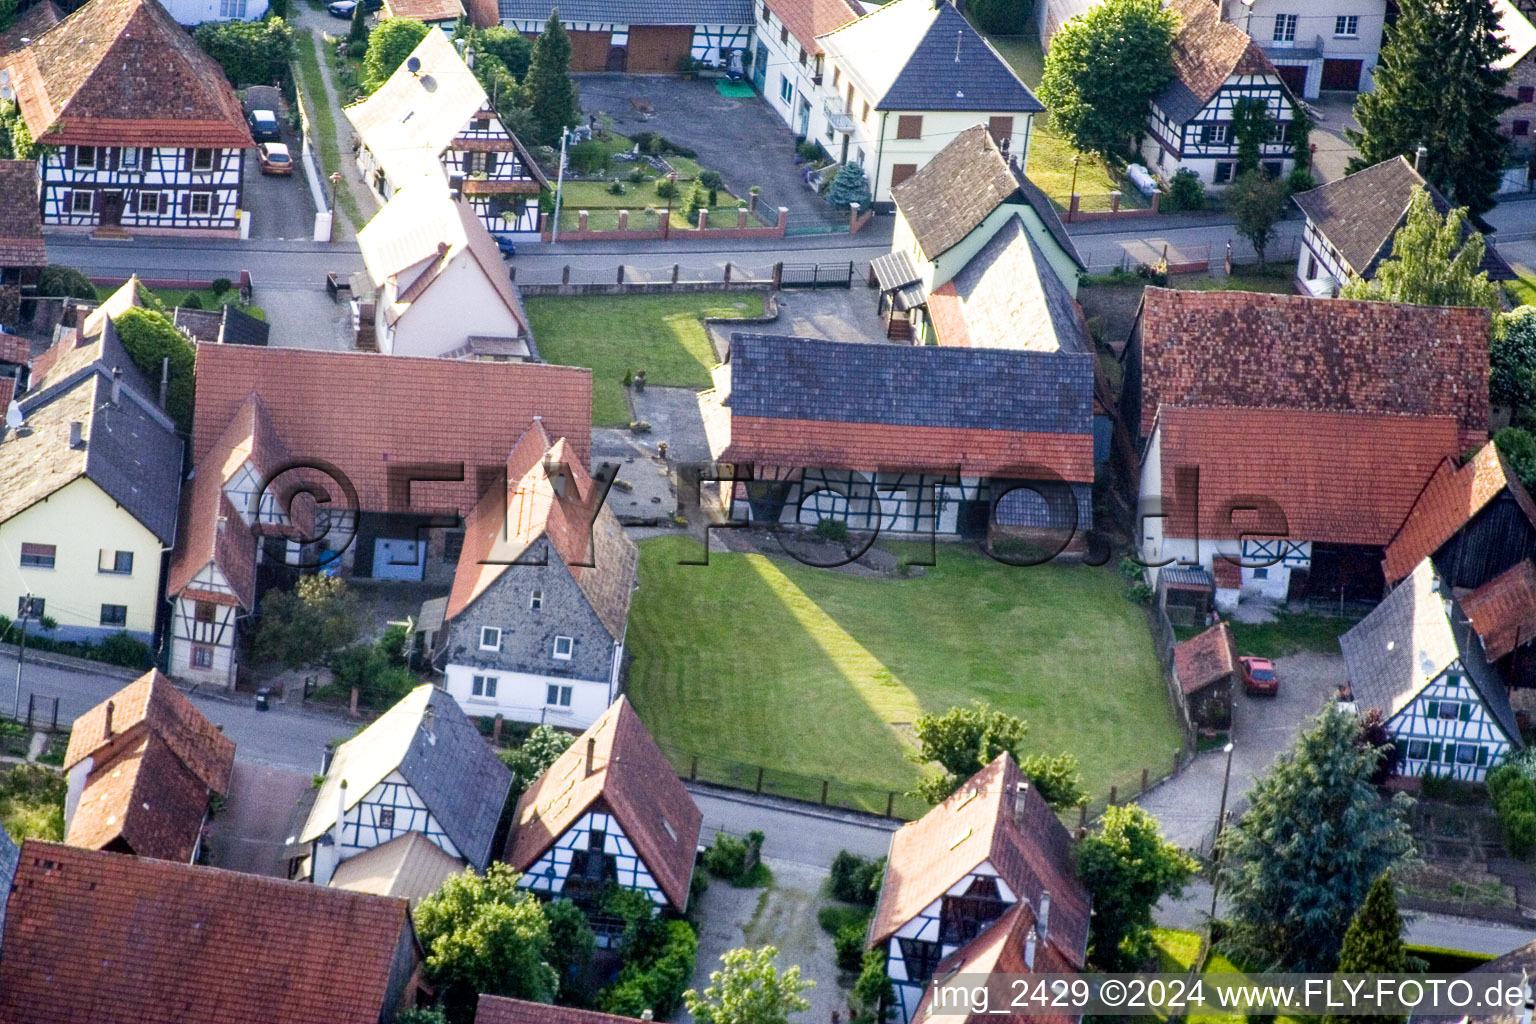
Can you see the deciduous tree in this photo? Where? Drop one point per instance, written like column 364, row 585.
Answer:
column 1128, row 866
column 749, row 989
column 250, row 52
column 1430, row 264
column 541, row 749
column 552, row 98
column 390, row 42
column 485, row 934
column 1512, row 359
column 963, row 740
column 1436, row 86
column 150, row 337
column 1102, row 69
column 1298, row 864
column 1256, row 202
column 310, row 624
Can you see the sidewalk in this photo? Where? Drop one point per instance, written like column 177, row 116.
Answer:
column 363, row 203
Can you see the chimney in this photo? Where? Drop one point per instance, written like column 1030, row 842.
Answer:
column 1418, row 158
column 591, row 753
column 341, row 813
column 165, row 381
column 117, row 384
column 1043, row 918
column 1029, row 949
column 106, row 729
column 76, row 435
column 1019, row 800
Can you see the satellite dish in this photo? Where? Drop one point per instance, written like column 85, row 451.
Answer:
column 429, row 83
column 413, row 64
column 13, row 417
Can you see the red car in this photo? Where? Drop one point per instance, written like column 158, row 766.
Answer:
column 1259, row 676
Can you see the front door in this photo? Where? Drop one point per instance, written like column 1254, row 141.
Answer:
column 760, row 67
column 111, row 208
column 803, row 126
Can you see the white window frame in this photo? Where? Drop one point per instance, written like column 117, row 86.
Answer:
column 134, row 164
column 569, row 644
column 495, row 643
column 1285, row 28
column 95, row 161
column 535, row 600
column 1213, row 135
column 786, row 89
column 121, row 625
column 1422, row 755
column 557, row 695
column 483, row 687
column 143, row 194
column 75, row 205
column 1346, row 26
column 213, row 159
column 192, row 200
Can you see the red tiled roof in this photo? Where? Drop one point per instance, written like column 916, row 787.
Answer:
column 424, row 10
column 1296, row 352
column 1001, row 949
column 502, row 1010
column 122, row 72
column 7, row 387
column 142, row 800
column 152, row 704
column 370, row 414
column 1207, row 50
column 483, row 13
column 807, row 19
column 516, row 512
column 947, row 315
column 30, row 24
column 93, row 936
column 1337, row 478
column 1503, row 610
column 1449, row 501
column 21, row 222
column 1205, row 659
column 15, row 349
column 998, row 818
column 633, row 781
column 889, row 446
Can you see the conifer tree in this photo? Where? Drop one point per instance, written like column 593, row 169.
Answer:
column 850, row 186
column 551, row 93
column 1373, row 944
column 1436, row 86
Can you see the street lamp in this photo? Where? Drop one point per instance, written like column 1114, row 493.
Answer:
column 1221, row 817
column 1076, row 159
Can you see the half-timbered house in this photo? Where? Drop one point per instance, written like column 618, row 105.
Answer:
column 536, row 620
column 610, row 811
column 141, row 132
column 1351, row 223
column 639, row 40
column 990, row 867
column 1269, row 437
column 1417, row 660
column 142, row 767
column 911, row 440
column 432, row 114
column 1190, row 125
column 421, row 767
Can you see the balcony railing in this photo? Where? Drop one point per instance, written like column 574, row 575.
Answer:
column 1297, row 49
column 837, row 118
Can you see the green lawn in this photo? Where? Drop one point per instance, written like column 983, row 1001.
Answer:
column 311, row 83
column 1277, row 277
column 660, row 334
column 32, row 802
column 1523, row 289
column 603, row 207
column 173, row 297
column 1290, row 633
column 819, row 673
column 1176, row 953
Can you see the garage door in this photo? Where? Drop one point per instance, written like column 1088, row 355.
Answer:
column 589, row 51
column 1341, row 74
column 656, row 49
column 1294, row 76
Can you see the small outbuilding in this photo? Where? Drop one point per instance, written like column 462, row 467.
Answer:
column 1206, row 669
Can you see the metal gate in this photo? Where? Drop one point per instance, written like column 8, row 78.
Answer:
column 816, row 275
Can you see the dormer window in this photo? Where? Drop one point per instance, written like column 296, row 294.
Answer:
column 490, row 638
column 564, row 647
column 482, row 124
column 536, row 600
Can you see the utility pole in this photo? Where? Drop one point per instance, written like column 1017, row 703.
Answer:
column 1221, row 817
column 21, row 654
column 554, row 229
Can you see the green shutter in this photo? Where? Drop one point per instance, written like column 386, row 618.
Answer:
column 1431, row 709
column 1450, row 753
column 1466, row 711
column 1482, row 756
column 1434, row 751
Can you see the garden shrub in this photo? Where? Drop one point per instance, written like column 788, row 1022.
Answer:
column 1300, row 180
column 848, row 945
column 616, row 188
column 61, row 282
column 654, row 978
column 832, row 529
column 872, row 992
column 1141, row 593
column 856, row 879
column 636, row 176
column 191, row 301
column 125, row 650
column 1513, row 795
column 588, row 157
column 711, row 180
column 733, row 858
column 1185, row 192
column 666, row 188
column 220, row 285
column 249, row 52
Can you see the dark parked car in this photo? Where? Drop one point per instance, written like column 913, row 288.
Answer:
column 264, row 126
column 506, row 245
column 343, row 8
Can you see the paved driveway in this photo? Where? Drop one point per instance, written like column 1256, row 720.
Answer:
column 1262, row 727
column 281, row 206
column 742, row 139
column 1336, row 113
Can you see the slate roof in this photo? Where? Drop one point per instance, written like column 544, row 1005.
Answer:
column 1408, row 640
column 130, row 450
column 364, row 412
column 633, row 12
column 807, row 19
column 152, row 704
column 961, row 185
column 1336, row 478
column 240, row 328
column 21, row 223
column 123, row 73
column 1303, row 353
column 502, row 1010
column 430, row 742
column 631, row 779
column 1503, row 610
column 1359, row 213
column 1008, row 296
column 409, row 866
column 996, row 817
column 1206, row 658
column 918, row 55
column 94, row 936
column 414, row 239
column 1449, row 501
column 518, row 511
column 1206, row 52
